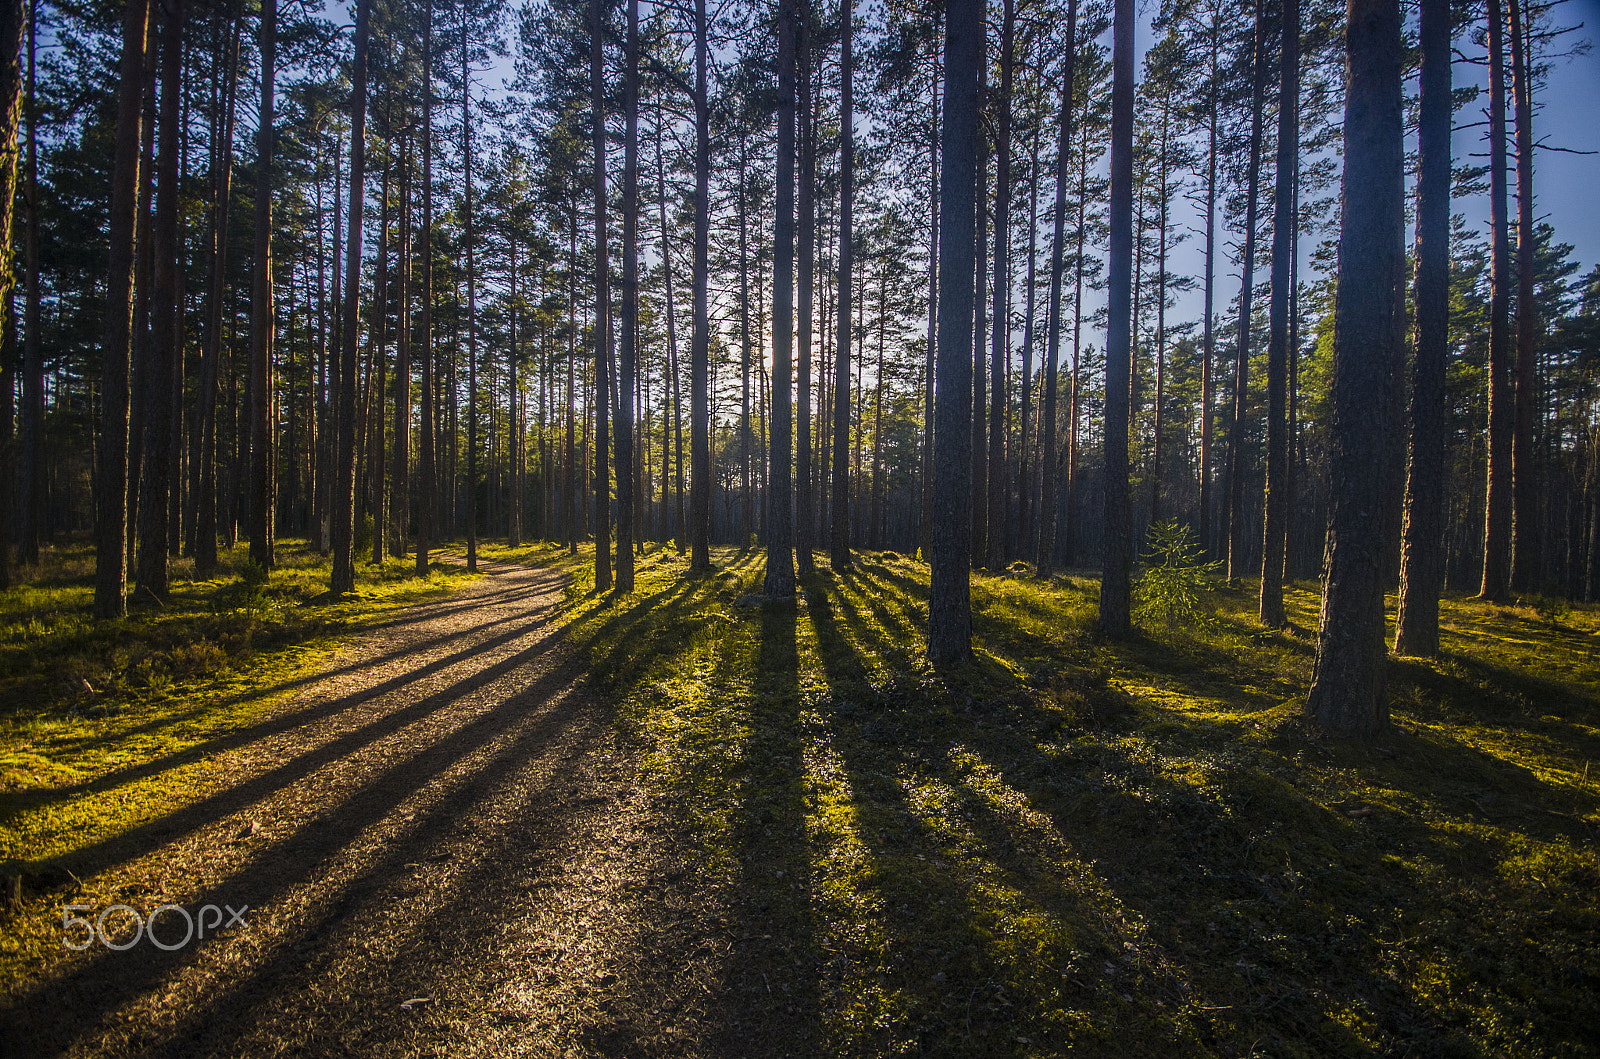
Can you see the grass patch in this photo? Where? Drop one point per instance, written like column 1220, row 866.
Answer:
column 102, row 722
column 1131, row 848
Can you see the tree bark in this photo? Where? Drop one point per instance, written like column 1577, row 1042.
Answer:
column 1527, row 559
column 33, row 454
column 111, row 480
column 1497, row 505
column 839, row 536
column 805, row 505
column 779, row 580
column 1117, row 550
column 344, row 570
column 630, row 307
column 1274, row 530
column 263, row 447
column 1044, row 558
column 13, row 26
column 151, row 573
column 1000, row 339
column 1247, row 264
column 425, row 431
column 1348, row 685
column 950, row 592
column 699, row 353
column 1422, row 555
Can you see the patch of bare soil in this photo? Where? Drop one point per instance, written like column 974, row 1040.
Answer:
column 445, row 850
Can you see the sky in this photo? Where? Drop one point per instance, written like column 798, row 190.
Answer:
column 1565, row 184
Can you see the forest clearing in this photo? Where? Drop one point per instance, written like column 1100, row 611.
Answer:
column 692, row 822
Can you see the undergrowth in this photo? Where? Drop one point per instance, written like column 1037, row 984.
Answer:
column 1127, row 848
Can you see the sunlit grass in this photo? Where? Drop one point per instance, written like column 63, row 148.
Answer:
column 84, row 698
column 1136, row 848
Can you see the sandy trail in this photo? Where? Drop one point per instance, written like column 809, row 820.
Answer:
column 445, row 850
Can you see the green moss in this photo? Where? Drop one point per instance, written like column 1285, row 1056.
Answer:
column 1136, row 848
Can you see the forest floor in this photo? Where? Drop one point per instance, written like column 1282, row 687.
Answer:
column 525, row 819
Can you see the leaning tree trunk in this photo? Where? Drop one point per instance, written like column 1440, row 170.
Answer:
column 1422, row 554
column 1275, row 520
column 344, row 511
column 1497, row 502
column 1348, row 687
column 111, row 478
column 950, row 589
column 779, row 580
column 151, row 574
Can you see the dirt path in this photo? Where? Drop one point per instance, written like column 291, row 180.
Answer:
column 444, row 851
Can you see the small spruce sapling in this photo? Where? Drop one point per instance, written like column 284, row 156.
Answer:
column 1175, row 581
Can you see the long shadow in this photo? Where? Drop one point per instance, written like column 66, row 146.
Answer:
column 286, row 721
column 106, row 982
column 378, row 661
column 769, row 1004
column 951, row 994
column 101, row 855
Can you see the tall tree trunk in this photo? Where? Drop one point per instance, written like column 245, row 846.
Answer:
column 1247, row 265
column 1422, row 555
column 839, row 536
column 672, row 341
column 1044, row 558
column 425, row 431
column 805, row 507
column 779, row 579
column 950, row 590
column 1527, row 560
column 378, row 351
column 1117, row 550
column 925, row 527
column 111, row 479
column 630, row 308
column 1275, row 520
column 699, row 353
column 1208, row 300
column 1348, row 686
column 262, row 442
column 205, row 521
column 1497, row 505
column 602, row 302
column 12, row 28
column 472, row 311
column 142, row 285
column 33, row 452
column 979, row 351
column 344, row 569
column 1025, row 464
column 999, row 481
column 151, row 574
column 400, row 501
